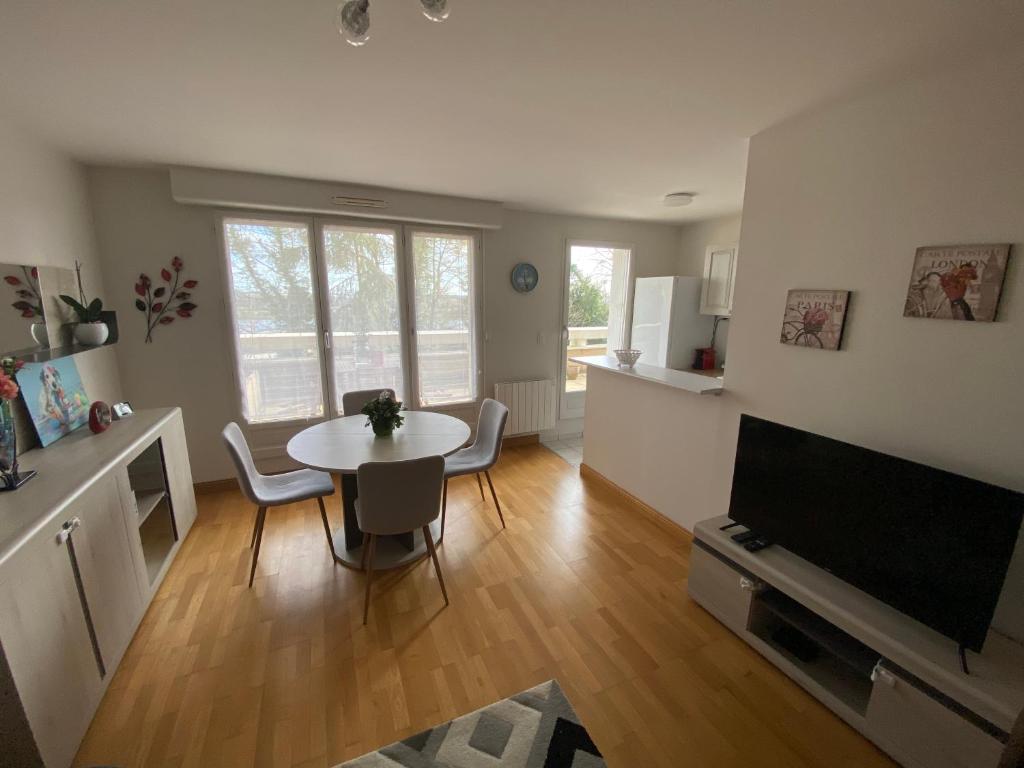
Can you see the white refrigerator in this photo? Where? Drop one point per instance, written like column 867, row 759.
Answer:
column 667, row 324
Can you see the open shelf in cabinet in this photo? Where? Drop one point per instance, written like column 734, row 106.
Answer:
column 834, row 659
column 147, row 476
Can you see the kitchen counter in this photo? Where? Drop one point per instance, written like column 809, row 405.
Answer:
column 690, row 381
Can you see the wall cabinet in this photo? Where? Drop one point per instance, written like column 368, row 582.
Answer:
column 76, row 579
column 719, row 280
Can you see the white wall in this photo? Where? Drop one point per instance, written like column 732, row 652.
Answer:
column 841, row 198
column 140, row 228
column 694, row 240
column 45, row 220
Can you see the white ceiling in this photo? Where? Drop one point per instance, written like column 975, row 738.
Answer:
column 586, row 106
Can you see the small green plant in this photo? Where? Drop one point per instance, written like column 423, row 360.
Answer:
column 87, row 311
column 383, row 414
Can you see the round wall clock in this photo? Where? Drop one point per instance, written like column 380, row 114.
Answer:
column 524, row 277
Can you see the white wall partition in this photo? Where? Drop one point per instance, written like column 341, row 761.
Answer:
column 841, row 198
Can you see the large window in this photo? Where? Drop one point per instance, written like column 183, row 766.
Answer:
column 324, row 307
column 363, row 308
column 443, row 266
column 275, row 319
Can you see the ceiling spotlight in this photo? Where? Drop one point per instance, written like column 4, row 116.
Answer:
column 435, row 10
column 679, row 199
column 353, row 20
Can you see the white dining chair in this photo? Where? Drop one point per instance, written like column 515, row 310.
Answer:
column 352, row 402
column 481, row 456
column 274, row 490
column 398, row 497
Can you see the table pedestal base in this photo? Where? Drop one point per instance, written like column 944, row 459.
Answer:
column 391, row 550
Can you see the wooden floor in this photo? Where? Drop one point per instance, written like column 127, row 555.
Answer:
column 581, row 587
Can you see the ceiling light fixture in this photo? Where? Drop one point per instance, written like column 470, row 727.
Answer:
column 353, row 18
column 435, row 10
column 679, row 199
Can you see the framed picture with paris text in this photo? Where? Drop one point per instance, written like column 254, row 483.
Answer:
column 957, row 282
column 815, row 318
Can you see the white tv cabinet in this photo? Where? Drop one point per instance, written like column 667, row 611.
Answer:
column 893, row 679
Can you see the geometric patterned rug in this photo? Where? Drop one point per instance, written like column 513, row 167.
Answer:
column 537, row 728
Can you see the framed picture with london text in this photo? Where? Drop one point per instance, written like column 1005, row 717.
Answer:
column 957, row 282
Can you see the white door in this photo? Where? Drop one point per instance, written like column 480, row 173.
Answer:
column 596, row 305
column 362, row 294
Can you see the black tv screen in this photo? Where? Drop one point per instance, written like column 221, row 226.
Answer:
column 930, row 543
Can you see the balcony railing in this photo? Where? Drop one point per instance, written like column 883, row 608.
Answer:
column 591, row 340
column 277, row 366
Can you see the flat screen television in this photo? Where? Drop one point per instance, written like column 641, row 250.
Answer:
column 930, row 543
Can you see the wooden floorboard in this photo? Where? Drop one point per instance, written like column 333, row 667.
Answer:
column 581, row 586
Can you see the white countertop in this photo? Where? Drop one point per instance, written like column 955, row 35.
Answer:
column 669, row 377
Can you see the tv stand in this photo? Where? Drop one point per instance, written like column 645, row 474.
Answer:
column 901, row 684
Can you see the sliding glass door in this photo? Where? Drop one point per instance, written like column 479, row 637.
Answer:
column 363, row 309
column 321, row 307
column 445, row 341
column 276, row 321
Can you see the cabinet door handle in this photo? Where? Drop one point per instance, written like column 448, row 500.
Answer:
column 69, row 527
column 881, row 675
column 748, row 585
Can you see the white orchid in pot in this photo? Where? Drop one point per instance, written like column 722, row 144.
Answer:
column 90, row 329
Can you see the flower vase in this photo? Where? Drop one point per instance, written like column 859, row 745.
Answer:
column 382, row 430
column 91, row 334
column 8, row 446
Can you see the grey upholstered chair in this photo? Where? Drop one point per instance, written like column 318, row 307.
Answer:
column 480, row 456
column 398, row 497
column 352, row 402
column 274, row 490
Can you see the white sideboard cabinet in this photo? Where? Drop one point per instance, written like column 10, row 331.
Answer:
column 83, row 548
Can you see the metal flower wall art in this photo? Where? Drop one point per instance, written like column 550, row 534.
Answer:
column 165, row 303
column 26, row 288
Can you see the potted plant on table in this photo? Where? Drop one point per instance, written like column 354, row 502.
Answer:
column 90, row 330
column 383, row 414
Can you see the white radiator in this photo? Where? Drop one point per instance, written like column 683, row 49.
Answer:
column 531, row 405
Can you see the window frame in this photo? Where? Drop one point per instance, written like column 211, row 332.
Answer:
column 476, row 288
column 405, row 277
column 320, row 223
column 232, row 326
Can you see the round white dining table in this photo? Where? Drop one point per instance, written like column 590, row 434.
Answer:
column 340, row 445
